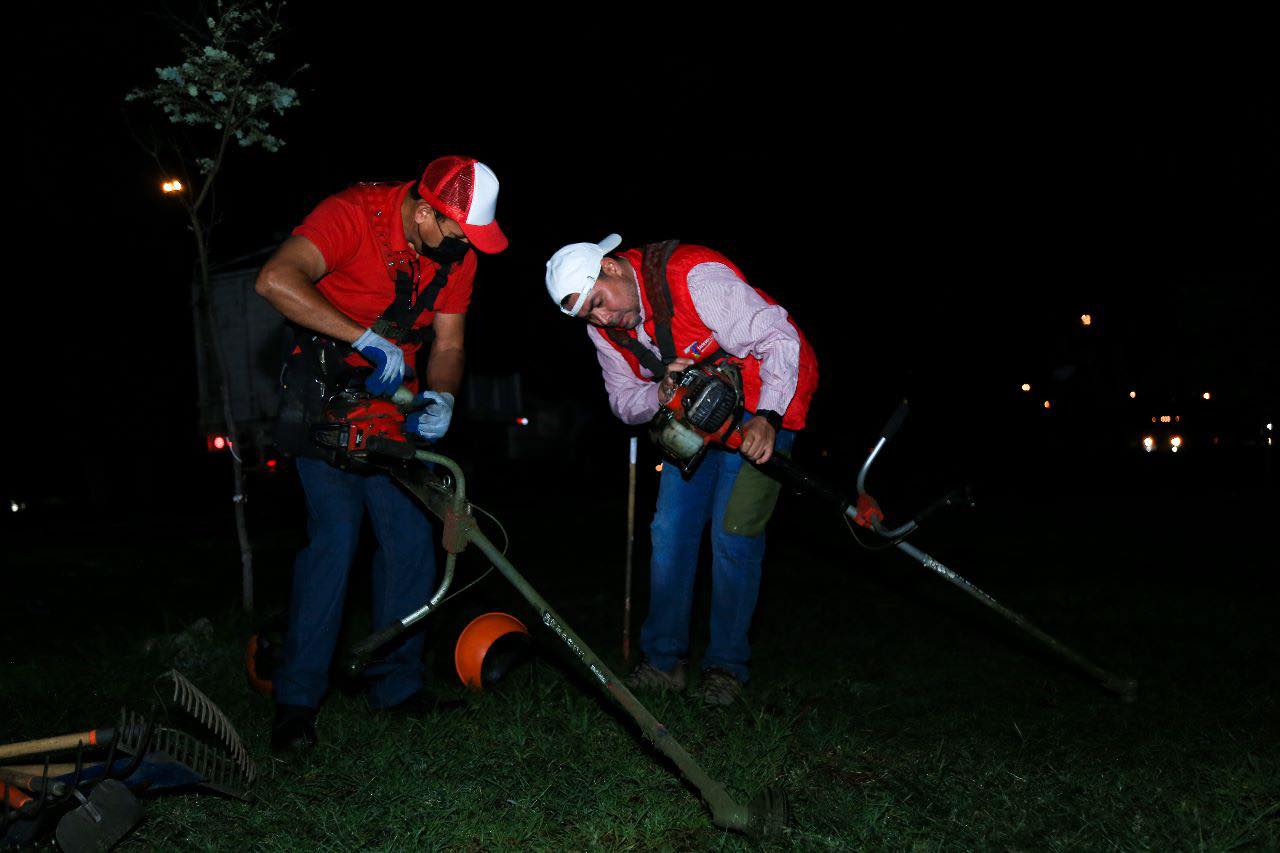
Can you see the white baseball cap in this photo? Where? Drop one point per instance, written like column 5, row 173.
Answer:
column 574, row 269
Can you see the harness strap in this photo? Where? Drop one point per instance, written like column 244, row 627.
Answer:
column 404, row 268
column 656, row 287
column 396, row 322
column 658, row 291
column 643, row 354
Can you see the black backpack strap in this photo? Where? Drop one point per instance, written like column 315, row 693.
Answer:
column 654, row 269
column 396, row 322
column 643, row 354
column 427, row 298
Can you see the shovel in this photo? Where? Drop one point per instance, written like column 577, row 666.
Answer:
column 101, row 820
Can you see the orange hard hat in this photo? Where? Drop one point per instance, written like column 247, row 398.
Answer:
column 475, row 641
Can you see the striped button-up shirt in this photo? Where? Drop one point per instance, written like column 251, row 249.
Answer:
column 743, row 324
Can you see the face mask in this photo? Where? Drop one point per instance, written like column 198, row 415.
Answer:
column 450, row 251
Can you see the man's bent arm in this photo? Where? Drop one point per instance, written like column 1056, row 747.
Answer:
column 744, row 324
column 633, row 400
column 287, row 281
column 444, row 364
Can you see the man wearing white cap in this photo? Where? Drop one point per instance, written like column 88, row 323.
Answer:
column 653, row 311
column 369, row 275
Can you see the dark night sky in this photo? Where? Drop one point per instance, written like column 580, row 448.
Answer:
column 936, row 203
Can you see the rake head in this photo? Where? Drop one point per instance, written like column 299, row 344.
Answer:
column 201, row 708
column 197, row 762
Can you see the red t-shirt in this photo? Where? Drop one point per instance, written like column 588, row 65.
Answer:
column 358, row 283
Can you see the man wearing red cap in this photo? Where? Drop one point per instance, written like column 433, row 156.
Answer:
column 369, row 276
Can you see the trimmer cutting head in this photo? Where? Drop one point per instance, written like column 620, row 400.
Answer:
column 768, row 815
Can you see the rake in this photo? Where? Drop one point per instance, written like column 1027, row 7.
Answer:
column 159, row 757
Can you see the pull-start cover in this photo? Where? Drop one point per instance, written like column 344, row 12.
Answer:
column 704, row 409
column 357, row 424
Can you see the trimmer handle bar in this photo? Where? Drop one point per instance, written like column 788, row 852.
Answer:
column 895, row 421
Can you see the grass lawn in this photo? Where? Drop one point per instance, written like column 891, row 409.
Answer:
column 895, row 712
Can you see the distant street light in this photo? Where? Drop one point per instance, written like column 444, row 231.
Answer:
column 1133, row 395
column 1047, row 404
column 172, row 186
column 1206, row 395
column 1086, row 319
column 1026, row 386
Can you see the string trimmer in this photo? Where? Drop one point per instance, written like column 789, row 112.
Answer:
column 705, row 410
column 362, row 431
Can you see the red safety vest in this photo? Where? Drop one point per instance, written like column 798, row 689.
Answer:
column 694, row 340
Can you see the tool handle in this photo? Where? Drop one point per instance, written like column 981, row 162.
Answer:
column 32, row 781
column 895, row 421
column 962, row 496
column 402, row 397
column 782, row 469
column 38, row 770
column 93, row 737
column 389, row 447
column 365, row 649
column 14, row 797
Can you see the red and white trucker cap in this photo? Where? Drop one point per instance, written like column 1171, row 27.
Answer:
column 466, row 191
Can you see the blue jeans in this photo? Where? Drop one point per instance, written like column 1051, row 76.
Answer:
column 684, row 508
column 404, row 572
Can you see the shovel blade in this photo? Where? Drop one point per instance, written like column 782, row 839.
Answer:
column 100, row 824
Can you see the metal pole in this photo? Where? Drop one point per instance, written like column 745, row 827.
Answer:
column 1124, row 687
column 631, row 544
column 725, row 811
column 763, row 817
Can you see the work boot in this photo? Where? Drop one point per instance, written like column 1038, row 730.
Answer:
column 294, row 729
column 646, row 676
column 718, row 687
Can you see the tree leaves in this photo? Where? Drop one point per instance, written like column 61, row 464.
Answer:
column 222, row 82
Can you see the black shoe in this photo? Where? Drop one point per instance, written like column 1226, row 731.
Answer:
column 424, row 703
column 294, row 729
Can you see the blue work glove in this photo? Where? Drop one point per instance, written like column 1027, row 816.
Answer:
column 430, row 415
column 387, row 360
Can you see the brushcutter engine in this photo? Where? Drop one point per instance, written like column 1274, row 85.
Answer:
column 704, row 410
column 357, row 424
